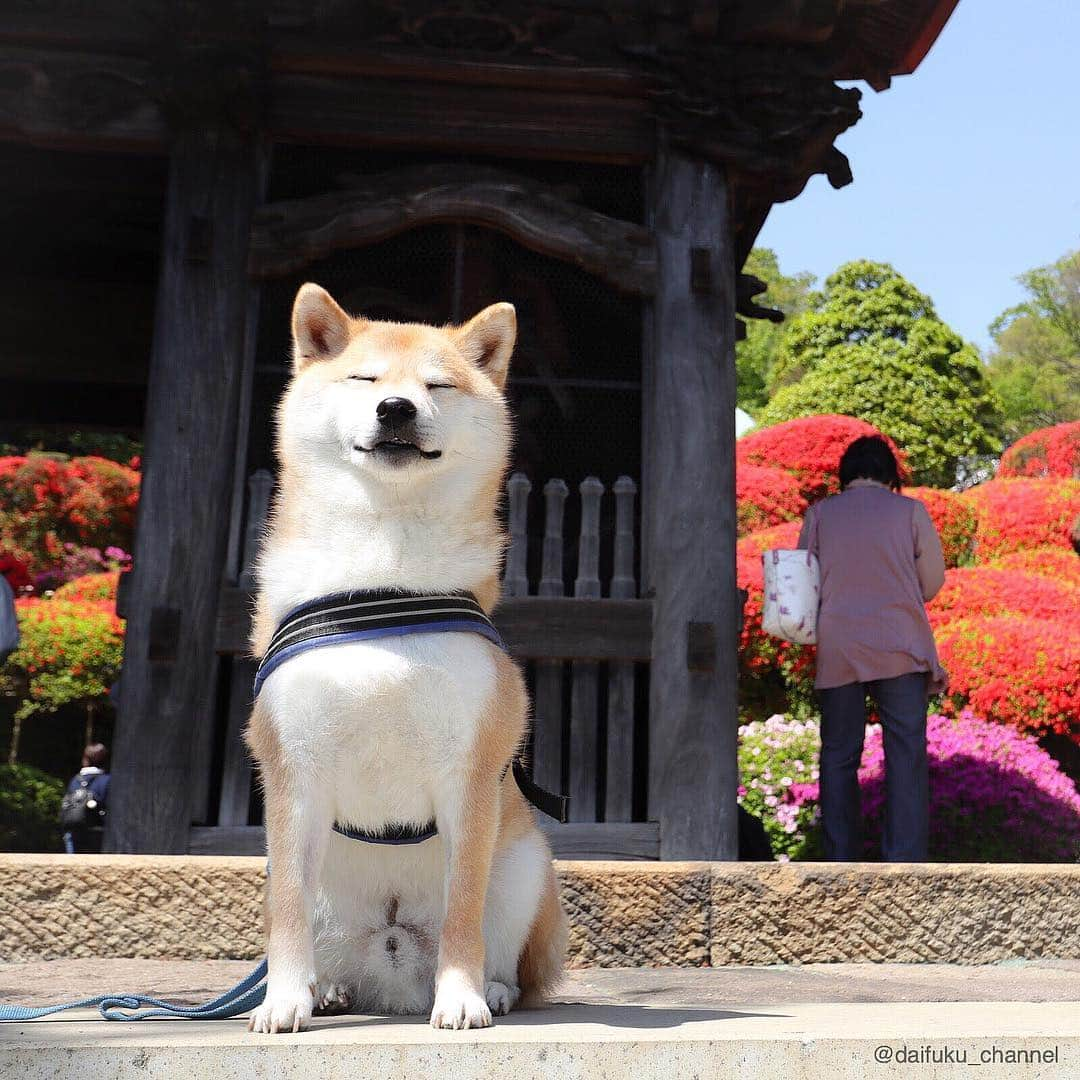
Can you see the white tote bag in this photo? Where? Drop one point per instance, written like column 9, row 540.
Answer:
column 792, row 592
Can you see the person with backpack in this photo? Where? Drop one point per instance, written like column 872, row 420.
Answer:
column 9, row 623
column 83, row 808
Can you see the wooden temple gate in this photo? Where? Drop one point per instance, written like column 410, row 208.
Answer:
column 585, row 663
column 685, row 626
column 722, row 109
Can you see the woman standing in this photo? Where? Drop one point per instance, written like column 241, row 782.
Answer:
column 880, row 560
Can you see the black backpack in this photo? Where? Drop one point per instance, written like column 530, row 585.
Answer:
column 80, row 809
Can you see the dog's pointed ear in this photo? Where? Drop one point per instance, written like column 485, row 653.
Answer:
column 320, row 328
column 488, row 340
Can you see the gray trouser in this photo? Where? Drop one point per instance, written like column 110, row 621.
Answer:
column 901, row 704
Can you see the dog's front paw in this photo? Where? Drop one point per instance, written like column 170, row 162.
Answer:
column 458, row 1006
column 333, row 999
column 282, row 1012
column 500, row 997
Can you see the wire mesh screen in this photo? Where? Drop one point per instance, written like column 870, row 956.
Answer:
column 575, row 383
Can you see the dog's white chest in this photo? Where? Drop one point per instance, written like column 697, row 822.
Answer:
column 388, row 723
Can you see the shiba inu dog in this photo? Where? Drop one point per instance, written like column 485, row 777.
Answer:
column 393, row 442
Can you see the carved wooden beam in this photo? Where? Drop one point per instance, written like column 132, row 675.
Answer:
column 289, row 235
column 746, row 288
column 73, row 99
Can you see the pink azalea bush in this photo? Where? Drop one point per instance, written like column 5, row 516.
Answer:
column 995, row 794
column 76, row 562
column 777, row 756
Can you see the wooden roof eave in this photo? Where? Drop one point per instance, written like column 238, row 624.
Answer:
column 923, row 41
column 887, row 38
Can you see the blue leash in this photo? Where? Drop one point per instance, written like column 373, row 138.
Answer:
column 245, row 995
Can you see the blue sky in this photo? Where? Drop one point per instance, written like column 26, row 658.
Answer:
column 966, row 173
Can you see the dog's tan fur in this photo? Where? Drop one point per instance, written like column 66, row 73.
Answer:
column 487, row 822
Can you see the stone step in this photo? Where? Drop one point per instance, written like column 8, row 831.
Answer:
column 191, row 982
column 622, row 914
column 749, row 1022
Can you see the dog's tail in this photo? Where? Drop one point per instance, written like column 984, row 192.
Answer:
column 540, row 966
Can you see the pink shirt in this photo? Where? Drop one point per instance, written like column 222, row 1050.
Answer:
column 880, row 560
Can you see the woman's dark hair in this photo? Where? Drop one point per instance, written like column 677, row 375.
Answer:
column 870, row 458
column 96, row 755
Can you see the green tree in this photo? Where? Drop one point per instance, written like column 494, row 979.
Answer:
column 874, row 347
column 1035, row 364
column 29, row 809
column 756, row 353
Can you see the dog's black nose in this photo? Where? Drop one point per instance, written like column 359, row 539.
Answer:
column 395, row 410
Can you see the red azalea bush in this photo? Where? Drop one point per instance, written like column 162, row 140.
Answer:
column 103, row 502
column 1015, row 669
column 91, row 588
column 1050, row 451
column 16, row 571
column 785, row 536
column 955, row 519
column 49, row 500
column 1015, row 514
column 765, row 496
column 1053, row 562
column 809, row 448
column 971, row 591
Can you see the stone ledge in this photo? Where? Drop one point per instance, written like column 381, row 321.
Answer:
column 622, row 913
column 962, row 913
column 850, row 1041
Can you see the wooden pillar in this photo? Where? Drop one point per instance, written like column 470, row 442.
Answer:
column 548, row 705
column 167, row 691
column 690, row 514
column 585, row 674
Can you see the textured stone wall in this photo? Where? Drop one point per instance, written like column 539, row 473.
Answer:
column 147, row 906
column 622, row 913
column 637, row 914
column 975, row 913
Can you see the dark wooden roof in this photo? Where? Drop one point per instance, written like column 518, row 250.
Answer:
column 749, row 84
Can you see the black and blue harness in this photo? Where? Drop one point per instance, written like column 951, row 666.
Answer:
column 368, row 616
column 330, row 620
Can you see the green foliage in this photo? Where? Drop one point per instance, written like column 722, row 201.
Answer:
column 21, row 439
column 29, row 809
column 874, row 348
column 756, row 354
column 69, row 652
column 1035, row 364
